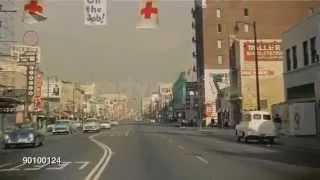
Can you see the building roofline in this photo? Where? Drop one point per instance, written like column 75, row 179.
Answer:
column 303, row 21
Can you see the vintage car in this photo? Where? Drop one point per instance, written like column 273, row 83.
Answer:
column 23, row 136
column 91, row 125
column 62, row 127
column 256, row 125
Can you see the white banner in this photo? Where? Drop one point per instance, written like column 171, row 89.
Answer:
column 95, row 12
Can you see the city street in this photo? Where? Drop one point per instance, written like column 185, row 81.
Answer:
column 141, row 151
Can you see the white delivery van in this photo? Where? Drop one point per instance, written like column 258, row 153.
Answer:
column 256, row 125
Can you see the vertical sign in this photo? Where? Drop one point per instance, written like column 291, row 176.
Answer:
column 30, row 80
column 95, row 12
column 38, row 97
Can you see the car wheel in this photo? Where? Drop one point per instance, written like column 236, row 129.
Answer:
column 271, row 140
column 6, row 146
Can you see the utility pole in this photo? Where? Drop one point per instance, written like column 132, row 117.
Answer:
column 73, row 100
column 48, row 97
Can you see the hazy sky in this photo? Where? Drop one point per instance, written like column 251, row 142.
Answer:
column 117, row 53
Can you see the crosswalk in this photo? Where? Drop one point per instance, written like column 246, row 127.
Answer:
column 9, row 167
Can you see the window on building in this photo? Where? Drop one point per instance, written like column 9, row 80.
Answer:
column 218, row 11
column 288, row 59
column 219, row 28
column 310, row 11
column 305, row 53
column 219, row 44
column 246, row 12
column 246, row 28
column 294, row 57
column 313, row 49
column 220, row 60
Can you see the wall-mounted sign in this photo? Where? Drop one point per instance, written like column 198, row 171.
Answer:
column 268, row 50
column 38, row 97
column 252, row 72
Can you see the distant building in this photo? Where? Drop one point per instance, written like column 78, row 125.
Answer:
column 116, row 105
column 165, row 92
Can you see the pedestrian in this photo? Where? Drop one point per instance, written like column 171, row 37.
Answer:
column 278, row 122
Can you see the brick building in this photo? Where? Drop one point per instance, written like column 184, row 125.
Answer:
column 219, row 20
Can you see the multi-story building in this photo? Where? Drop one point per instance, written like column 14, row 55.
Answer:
column 301, row 48
column 146, row 106
column 116, row 105
column 220, row 19
column 89, row 91
column 165, row 92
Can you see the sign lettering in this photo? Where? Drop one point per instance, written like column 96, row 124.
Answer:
column 266, row 50
column 95, row 12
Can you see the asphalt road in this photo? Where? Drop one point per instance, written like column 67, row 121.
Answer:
column 139, row 151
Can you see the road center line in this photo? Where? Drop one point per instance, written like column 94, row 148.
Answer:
column 202, row 159
column 107, row 153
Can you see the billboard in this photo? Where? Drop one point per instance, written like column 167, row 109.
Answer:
column 267, row 50
column 24, row 53
column 38, row 96
column 95, row 12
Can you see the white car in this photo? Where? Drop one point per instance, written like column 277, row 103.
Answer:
column 105, row 125
column 257, row 125
column 91, row 125
column 114, row 123
column 153, row 121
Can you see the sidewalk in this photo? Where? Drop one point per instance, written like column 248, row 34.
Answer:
column 301, row 142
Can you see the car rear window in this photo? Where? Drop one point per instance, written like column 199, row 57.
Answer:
column 266, row 117
column 257, row 116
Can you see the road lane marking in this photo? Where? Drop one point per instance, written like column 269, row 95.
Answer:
column 84, row 164
column 36, row 168
column 13, row 168
column 107, row 153
column 104, row 164
column 4, row 165
column 202, row 159
column 61, row 166
column 181, row 147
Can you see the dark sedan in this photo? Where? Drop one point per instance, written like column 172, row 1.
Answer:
column 23, row 137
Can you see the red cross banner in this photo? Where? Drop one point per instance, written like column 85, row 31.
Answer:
column 33, row 12
column 148, row 15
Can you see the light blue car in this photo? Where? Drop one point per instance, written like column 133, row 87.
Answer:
column 62, row 127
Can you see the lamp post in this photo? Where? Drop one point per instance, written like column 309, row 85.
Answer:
column 253, row 24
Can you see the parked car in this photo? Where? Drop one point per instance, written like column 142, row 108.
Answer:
column 91, row 125
column 62, row 127
column 256, row 125
column 105, row 125
column 23, row 136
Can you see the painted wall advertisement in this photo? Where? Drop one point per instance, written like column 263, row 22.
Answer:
column 95, row 12
column 38, row 96
column 270, row 65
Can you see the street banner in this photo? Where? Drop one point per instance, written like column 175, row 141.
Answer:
column 148, row 15
column 95, row 12
column 33, row 12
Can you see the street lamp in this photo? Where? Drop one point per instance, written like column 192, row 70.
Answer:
column 236, row 29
